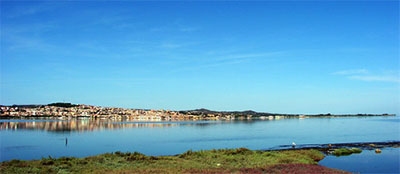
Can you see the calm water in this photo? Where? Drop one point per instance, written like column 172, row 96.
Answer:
column 367, row 161
column 34, row 139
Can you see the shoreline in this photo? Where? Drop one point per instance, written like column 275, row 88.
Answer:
column 327, row 147
column 240, row 160
column 72, row 111
column 284, row 159
column 158, row 118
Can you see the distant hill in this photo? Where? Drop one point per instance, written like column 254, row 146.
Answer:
column 204, row 111
column 58, row 104
column 22, row 106
column 64, row 105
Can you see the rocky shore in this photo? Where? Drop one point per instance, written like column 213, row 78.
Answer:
column 327, row 148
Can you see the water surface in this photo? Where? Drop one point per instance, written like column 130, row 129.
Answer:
column 34, row 139
column 366, row 162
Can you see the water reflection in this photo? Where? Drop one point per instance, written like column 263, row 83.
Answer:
column 366, row 162
column 81, row 125
column 30, row 138
column 89, row 124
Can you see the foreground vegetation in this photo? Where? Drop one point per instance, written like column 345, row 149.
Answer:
column 346, row 151
column 239, row 160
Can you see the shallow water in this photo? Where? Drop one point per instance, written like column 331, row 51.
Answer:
column 366, row 162
column 34, row 139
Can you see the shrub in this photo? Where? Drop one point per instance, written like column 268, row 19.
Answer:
column 47, row 162
column 136, row 156
column 119, row 153
column 66, row 158
column 15, row 163
column 82, row 162
column 241, row 151
column 187, row 154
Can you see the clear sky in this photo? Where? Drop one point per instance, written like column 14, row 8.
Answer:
column 281, row 57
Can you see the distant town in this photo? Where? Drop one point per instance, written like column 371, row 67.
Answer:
column 69, row 111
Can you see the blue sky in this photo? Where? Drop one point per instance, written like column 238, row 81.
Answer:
column 282, row 57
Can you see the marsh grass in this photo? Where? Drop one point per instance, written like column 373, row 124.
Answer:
column 346, row 151
column 204, row 161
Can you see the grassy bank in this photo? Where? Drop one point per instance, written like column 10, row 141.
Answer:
column 221, row 161
column 346, row 151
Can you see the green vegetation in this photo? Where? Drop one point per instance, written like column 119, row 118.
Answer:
column 63, row 105
column 240, row 160
column 346, row 151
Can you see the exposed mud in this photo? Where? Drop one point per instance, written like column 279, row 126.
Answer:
column 326, row 148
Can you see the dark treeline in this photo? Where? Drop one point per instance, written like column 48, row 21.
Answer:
column 63, row 105
column 58, row 104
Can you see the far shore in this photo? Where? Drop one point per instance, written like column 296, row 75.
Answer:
column 71, row 111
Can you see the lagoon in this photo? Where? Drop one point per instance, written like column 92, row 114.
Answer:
column 366, row 162
column 37, row 138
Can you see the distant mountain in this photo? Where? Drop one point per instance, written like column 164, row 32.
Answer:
column 204, row 111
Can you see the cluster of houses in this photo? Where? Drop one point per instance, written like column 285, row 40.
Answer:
column 82, row 111
column 68, row 111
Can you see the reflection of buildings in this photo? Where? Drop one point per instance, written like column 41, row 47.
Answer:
column 62, row 124
column 77, row 125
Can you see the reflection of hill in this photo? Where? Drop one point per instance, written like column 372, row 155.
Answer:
column 81, row 125
column 76, row 125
